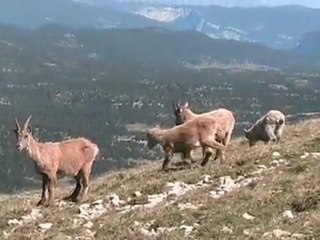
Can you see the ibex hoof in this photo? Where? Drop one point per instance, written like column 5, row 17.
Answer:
column 41, row 202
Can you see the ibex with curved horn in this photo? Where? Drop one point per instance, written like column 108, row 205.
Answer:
column 72, row 157
column 222, row 116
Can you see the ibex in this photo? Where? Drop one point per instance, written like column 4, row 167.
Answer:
column 199, row 132
column 268, row 128
column 72, row 157
column 223, row 117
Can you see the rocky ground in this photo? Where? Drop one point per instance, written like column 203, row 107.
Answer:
column 250, row 196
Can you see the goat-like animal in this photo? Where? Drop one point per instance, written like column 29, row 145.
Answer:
column 223, row 117
column 73, row 157
column 199, row 132
column 268, row 128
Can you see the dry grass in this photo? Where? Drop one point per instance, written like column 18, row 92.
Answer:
column 289, row 187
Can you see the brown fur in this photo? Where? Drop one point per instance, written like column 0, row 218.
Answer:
column 223, row 117
column 73, row 157
column 199, row 132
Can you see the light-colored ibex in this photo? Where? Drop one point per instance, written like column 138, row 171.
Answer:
column 268, row 128
column 223, row 117
column 73, row 157
column 200, row 132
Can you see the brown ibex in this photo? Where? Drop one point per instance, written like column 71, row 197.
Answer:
column 222, row 116
column 199, row 132
column 73, row 157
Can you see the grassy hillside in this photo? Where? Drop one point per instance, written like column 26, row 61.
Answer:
column 274, row 196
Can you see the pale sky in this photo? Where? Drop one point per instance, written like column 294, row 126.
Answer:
column 229, row 3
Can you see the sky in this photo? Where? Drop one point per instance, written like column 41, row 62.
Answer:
column 229, row 3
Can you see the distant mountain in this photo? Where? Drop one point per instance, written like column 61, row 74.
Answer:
column 278, row 27
column 36, row 13
column 310, row 44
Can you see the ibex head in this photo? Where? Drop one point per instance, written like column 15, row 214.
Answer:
column 178, row 111
column 23, row 135
column 250, row 137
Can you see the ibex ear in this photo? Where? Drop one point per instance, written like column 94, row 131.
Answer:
column 186, row 104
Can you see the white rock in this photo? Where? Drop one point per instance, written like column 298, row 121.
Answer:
column 280, row 233
column 315, row 154
column 137, row 194
column 287, row 214
column 206, row 179
column 298, row 236
column 35, row 214
column 62, row 203
column 45, row 226
column 77, row 222
column 248, row 231
column 276, row 155
column 305, row 155
column 275, row 162
column 226, row 183
column 267, row 234
column 88, row 224
column 248, row 216
column 183, row 206
column 227, row 229
column 187, row 229
column 115, row 200
column 97, row 202
column 90, row 233
column 214, row 194
column 179, row 188
column 261, row 166
column 136, row 223
column 14, row 222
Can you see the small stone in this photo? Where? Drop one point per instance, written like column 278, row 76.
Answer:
column 248, row 231
column 137, row 194
column 187, row 229
column 276, row 154
column 298, row 236
column 206, row 179
column 98, row 202
column 14, row 222
column 136, row 223
column 214, row 194
column 115, row 200
column 305, row 155
column 287, row 214
column 45, row 226
column 248, row 216
column 282, row 160
column 183, row 206
column 90, row 233
column 88, row 224
column 315, row 154
column 226, row 229
column 77, row 222
column 62, row 203
column 280, row 233
column 267, row 235
column 261, row 166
